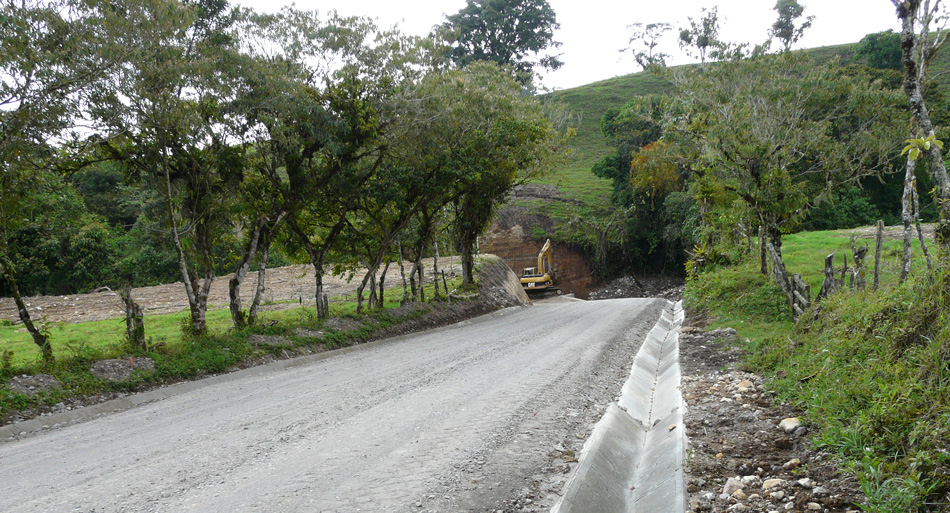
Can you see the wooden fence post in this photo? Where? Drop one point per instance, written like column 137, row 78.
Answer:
column 857, row 274
column 830, row 285
column 877, row 254
column 801, row 296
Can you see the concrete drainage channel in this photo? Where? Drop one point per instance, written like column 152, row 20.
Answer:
column 634, row 458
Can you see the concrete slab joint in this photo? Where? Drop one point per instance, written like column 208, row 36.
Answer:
column 635, row 457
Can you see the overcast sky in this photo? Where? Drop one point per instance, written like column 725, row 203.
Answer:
column 592, row 31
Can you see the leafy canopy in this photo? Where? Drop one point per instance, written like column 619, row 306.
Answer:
column 512, row 33
column 784, row 28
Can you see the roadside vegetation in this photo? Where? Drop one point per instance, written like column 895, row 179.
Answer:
column 752, row 166
column 149, row 141
column 178, row 357
column 870, row 370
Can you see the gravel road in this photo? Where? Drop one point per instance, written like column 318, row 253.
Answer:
column 462, row 418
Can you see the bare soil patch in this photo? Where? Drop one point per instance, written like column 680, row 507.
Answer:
column 741, row 458
column 293, row 283
column 666, row 287
column 32, row 384
column 895, row 232
column 121, row 369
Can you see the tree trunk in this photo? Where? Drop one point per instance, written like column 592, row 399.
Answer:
column 763, row 258
column 39, row 338
column 196, row 305
column 775, row 239
column 318, row 294
column 134, row 319
column 402, row 272
column 382, row 284
column 907, row 217
column 413, row 273
column 234, row 286
column 914, row 74
column 468, row 266
column 368, row 279
column 435, row 269
column 318, row 255
column 259, row 291
column 920, row 235
column 879, row 244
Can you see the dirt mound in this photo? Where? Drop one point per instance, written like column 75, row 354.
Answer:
column 343, row 324
column 666, row 287
column 121, row 370
column 268, row 340
column 499, row 286
column 32, row 385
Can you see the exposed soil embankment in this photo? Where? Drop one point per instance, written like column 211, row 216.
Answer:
column 511, row 238
column 290, row 283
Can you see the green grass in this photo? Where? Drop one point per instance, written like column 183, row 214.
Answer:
column 872, row 372
column 804, row 253
column 107, row 337
column 589, row 103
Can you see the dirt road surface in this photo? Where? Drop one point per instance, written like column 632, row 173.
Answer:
column 470, row 417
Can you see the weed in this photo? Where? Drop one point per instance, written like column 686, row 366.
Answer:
column 6, row 363
column 872, row 371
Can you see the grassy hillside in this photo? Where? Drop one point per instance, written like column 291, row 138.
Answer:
column 589, row 103
column 871, row 372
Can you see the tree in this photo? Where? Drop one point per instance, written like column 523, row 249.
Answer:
column 501, row 138
column 702, row 35
column 50, row 53
column 881, row 50
column 782, row 132
column 164, row 119
column 918, row 49
column 644, row 38
column 322, row 123
column 512, row 33
column 784, row 27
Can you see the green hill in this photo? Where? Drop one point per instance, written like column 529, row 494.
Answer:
column 589, row 103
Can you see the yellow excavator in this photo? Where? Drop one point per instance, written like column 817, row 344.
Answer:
column 541, row 279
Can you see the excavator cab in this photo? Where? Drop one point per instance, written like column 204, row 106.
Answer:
column 542, row 278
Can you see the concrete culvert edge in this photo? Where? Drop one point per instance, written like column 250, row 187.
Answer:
column 634, row 459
